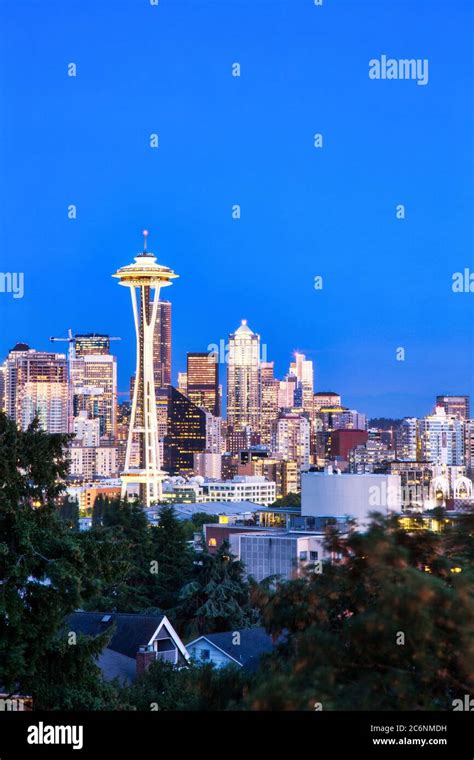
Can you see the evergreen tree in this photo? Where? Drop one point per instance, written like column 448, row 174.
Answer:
column 69, row 513
column 100, row 503
column 380, row 630
column 217, row 598
column 70, row 679
column 196, row 687
column 127, row 537
column 290, row 500
column 173, row 556
column 43, row 569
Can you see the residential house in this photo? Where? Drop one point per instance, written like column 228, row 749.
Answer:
column 242, row 648
column 137, row 641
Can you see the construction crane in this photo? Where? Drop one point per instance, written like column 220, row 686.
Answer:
column 71, row 339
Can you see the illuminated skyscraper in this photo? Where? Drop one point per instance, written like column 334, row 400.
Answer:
column 186, row 433
column 456, row 406
column 302, row 369
column 36, row 385
column 92, row 344
column 93, row 389
column 407, row 440
column 270, row 395
column 291, row 438
column 442, row 438
column 162, row 345
column 144, row 275
column 202, row 384
column 92, row 380
column 183, row 383
column 3, row 369
column 243, row 379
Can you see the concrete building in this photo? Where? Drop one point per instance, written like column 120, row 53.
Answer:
column 92, row 462
column 333, row 494
column 406, row 437
column 454, row 406
column 36, row 385
column 302, row 369
column 324, row 399
column 93, row 389
column 208, row 465
column 441, row 438
column 241, row 488
column 86, row 431
column 270, row 395
column 469, row 447
column 343, row 441
column 368, row 456
column 274, row 553
column 291, row 438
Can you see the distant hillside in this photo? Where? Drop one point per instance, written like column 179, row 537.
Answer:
column 384, row 423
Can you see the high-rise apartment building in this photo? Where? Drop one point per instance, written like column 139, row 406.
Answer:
column 324, row 399
column 86, row 431
column 455, row 406
column 3, row 369
column 162, row 345
column 243, row 379
column 302, row 369
column 469, row 447
column 339, row 417
column 407, row 442
column 202, row 381
column 291, row 438
column 93, row 389
column 269, row 408
column 441, row 438
column 36, row 385
column 287, row 392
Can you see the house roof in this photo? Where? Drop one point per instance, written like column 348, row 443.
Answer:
column 131, row 631
column 254, row 642
column 116, row 665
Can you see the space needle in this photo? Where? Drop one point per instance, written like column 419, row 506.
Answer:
column 143, row 276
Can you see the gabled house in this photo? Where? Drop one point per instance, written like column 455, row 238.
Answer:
column 137, row 641
column 240, row 648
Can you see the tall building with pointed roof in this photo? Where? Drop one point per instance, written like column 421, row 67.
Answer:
column 243, row 379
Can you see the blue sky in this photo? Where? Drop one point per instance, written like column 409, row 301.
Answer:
column 225, row 140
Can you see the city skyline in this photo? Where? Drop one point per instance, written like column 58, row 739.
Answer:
column 227, row 140
column 124, row 382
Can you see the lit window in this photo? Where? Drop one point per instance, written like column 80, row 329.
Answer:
column 213, row 542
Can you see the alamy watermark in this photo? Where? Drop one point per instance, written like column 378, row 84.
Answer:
column 463, row 282
column 13, row 283
column 12, row 704
column 416, row 69
column 219, row 354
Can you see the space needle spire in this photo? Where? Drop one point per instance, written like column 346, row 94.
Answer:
column 143, row 276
